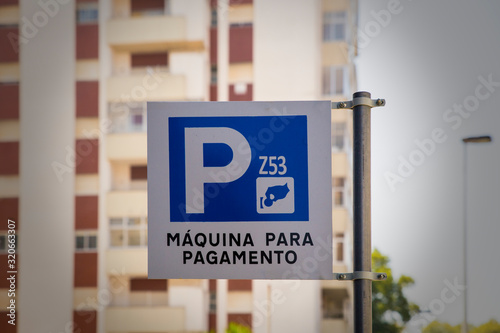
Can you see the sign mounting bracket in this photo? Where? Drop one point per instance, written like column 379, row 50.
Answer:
column 357, row 101
column 360, row 275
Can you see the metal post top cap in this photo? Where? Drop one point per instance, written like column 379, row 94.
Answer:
column 477, row 139
column 362, row 94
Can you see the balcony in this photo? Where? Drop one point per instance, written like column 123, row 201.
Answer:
column 149, row 86
column 340, row 268
column 128, row 33
column 333, row 325
column 335, row 306
column 150, row 33
column 345, row 288
column 9, row 13
column 145, row 319
column 127, row 261
column 131, row 147
column 127, row 203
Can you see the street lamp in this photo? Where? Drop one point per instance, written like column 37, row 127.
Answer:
column 471, row 139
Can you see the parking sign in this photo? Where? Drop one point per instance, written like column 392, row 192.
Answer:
column 239, row 190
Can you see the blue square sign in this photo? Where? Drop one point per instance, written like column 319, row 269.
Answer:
column 238, row 169
column 239, row 190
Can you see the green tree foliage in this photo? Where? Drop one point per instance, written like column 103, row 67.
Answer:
column 391, row 310
column 237, row 328
column 492, row 326
column 438, row 327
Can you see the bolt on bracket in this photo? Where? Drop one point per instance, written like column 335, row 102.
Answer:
column 373, row 276
column 359, row 101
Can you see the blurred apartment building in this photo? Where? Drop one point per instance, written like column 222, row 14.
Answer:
column 73, row 153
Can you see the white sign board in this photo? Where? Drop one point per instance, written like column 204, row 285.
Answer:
column 239, row 190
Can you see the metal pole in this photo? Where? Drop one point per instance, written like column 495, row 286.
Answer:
column 465, row 328
column 362, row 215
column 472, row 139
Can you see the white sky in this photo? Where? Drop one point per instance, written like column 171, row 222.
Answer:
column 423, row 60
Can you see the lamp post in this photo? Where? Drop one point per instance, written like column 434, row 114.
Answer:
column 471, row 139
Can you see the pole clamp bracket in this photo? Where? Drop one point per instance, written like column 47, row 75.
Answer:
column 372, row 276
column 373, row 103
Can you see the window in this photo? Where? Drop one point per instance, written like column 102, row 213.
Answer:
column 85, row 241
column 339, row 247
column 87, row 12
column 87, row 41
column 87, row 99
column 240, row 91
column 333, row 303
column 128, row 117
column 10, row 52
column 87, row 151
column 138, row 177
column 156, row 59
column 4, row 242
column 145, row 284
column 138, row 172
column 240, row 43
column 335, row 80
column 334, row 26
column 148, row 7
column 338, row 136
column 213, row 17
column 338, row 191
column 239, row 285
column 128, row 231
column 9, row 95
column 137, row 120
column 213, row 302
column 213, row 74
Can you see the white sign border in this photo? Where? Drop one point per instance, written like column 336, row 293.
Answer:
column 315, row 262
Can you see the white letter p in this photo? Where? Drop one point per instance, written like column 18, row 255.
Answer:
column 197, row 174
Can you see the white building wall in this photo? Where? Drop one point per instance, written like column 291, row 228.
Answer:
column 47, row 121
column 221, row 305
column 301, row 310
column 292, row 306
column 287, row 44
column 197, row 15
column 194, row 66
column 261, row 310
column 192, row 299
